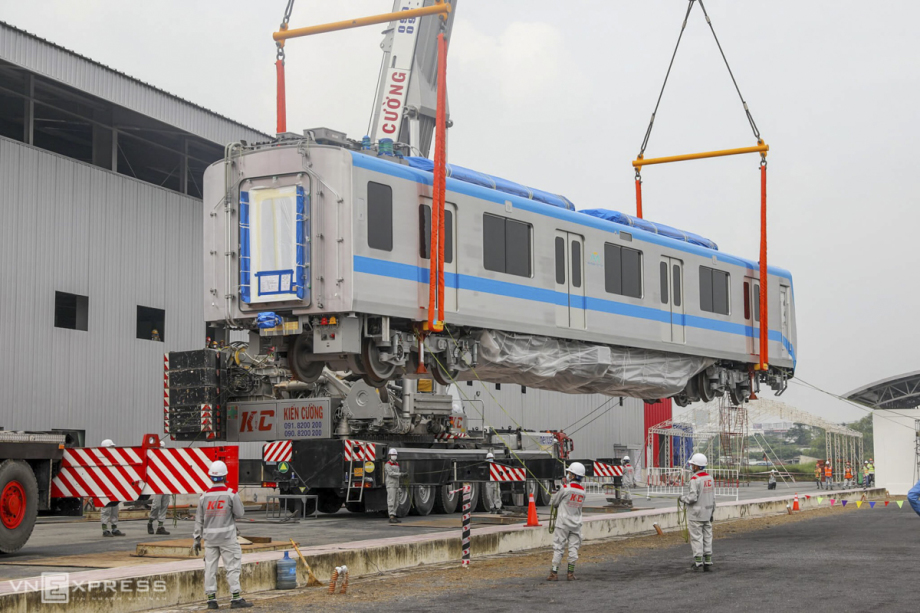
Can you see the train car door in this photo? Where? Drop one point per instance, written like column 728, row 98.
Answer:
column 784, row 316
column 752, row 313
column 451, row 280
column 671, row 292
column 570, row 281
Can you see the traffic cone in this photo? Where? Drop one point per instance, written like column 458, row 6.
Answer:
column 532, row 520
column 795, row 503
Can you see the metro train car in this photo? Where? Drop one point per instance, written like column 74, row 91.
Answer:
column 320, row 246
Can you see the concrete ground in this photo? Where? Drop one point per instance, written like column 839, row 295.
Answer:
column 824, row 560
column 56, row 538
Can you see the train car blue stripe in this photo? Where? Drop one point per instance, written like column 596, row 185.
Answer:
column 418, row 274
column 393, row 169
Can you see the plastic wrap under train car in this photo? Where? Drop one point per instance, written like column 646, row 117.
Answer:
column 575, row 367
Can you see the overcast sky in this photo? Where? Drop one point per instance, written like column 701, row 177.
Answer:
column 557, row 95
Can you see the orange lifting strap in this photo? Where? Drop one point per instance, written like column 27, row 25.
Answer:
column 440, row 8
column 762, row 148
column 436, row 272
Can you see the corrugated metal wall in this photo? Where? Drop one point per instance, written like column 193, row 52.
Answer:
column 67, row 226
column 50, row 60
column 595, row 422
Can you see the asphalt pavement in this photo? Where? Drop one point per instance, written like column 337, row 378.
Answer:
column 850, row 561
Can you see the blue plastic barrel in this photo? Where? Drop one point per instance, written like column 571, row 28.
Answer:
column 286, row 573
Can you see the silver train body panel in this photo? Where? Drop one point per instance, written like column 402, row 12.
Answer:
column 346, row 276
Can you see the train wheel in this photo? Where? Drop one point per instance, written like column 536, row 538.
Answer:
column 736, row 395
column 441, row 374
column 303, row 369
column 444, row 500
column 422, row 499
column 705, row 385
column 18, row 504
column 377, row 372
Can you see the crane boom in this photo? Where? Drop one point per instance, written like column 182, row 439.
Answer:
column 405, row 106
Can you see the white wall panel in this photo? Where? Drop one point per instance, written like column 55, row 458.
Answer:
column 68, row 226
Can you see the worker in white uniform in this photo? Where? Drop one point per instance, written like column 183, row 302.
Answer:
column 493, row 490
column 701, row 501
column 109, row 513
column 215, row 521
column 569, row 500
column 629, row 473
column 158, row 507
column 391, row 480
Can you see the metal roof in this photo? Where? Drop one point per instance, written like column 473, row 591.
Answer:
column 55, row 62
column 898, row 392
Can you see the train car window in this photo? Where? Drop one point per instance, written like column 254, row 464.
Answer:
column 517, row 248
column 424, row 220
column 560, row 260
column 576, row 264
column 677, row 292
column 632, row 272
column 506, row 245
column 622, row 271
column 379, row 216
column 493, row 243
column 714, row 291
column 756, row 302
column 663, row 273
column 747, row 300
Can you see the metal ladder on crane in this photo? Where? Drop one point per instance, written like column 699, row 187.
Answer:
column 350, row 494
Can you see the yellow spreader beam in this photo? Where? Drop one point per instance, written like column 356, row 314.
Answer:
column 640, row 162
column 441, row 8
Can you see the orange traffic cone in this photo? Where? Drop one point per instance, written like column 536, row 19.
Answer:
column 795, row 503
column 532, row 520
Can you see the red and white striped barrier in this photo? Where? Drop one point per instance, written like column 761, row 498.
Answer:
column 497, row 472
column 100, row 472
column 277, row 451
column 607, row 470
column 356, row 451
column 124, row 473
column 444, row 436
column 178, row 471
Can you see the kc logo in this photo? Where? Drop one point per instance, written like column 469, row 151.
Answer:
column 261, row 421
column 216, row 505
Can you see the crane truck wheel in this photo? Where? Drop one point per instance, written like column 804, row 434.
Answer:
column 403, row 502
column 329, row 502
column 18, row 504
column 422, row 499
column 444, row 500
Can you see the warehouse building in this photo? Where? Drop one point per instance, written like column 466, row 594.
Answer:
column 100, row 245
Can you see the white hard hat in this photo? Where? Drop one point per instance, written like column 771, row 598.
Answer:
column 698, row 459
column 490, row 456
column 392, row 452
column 626, row 458
column 576, row 468
column 218, row 469
column 108, row 443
